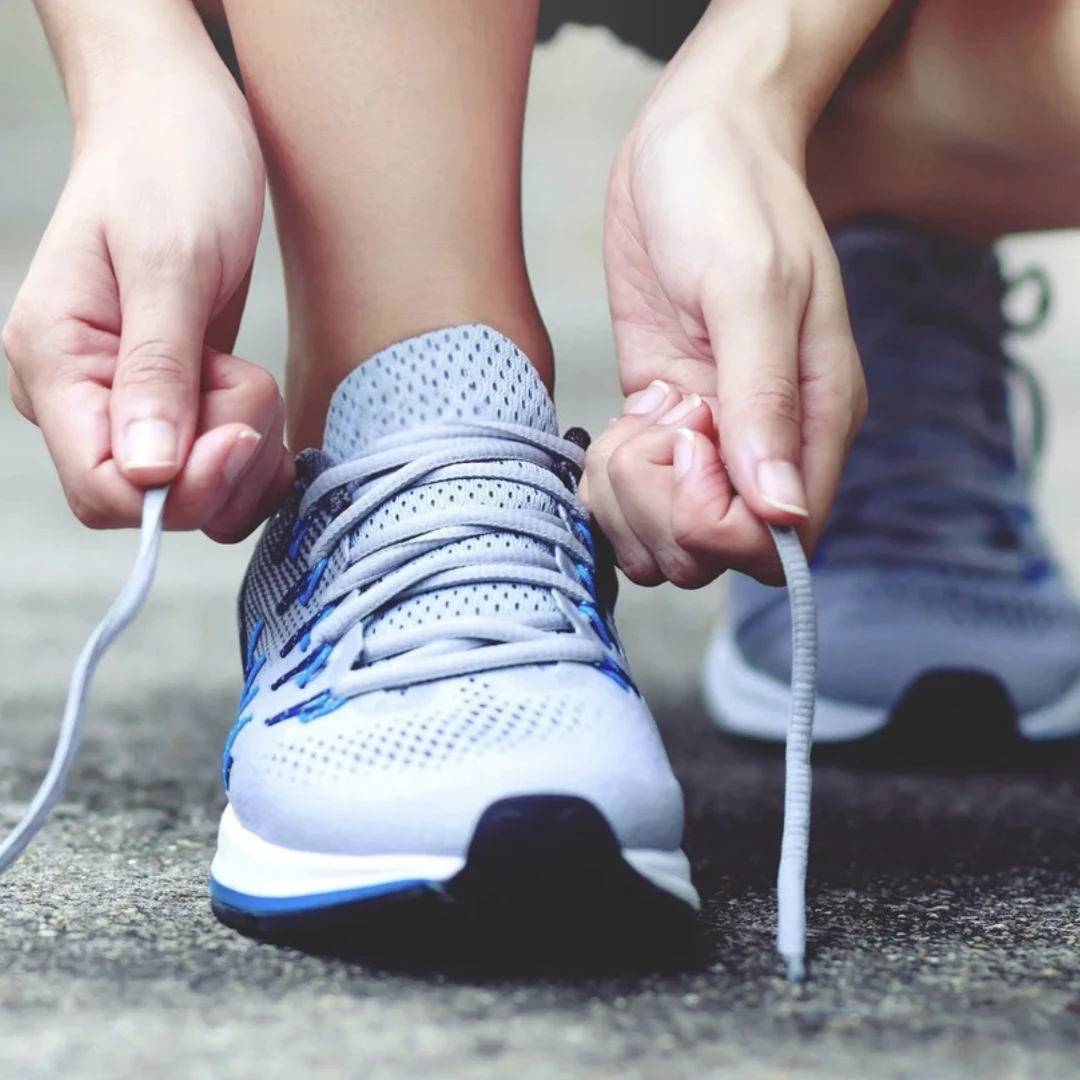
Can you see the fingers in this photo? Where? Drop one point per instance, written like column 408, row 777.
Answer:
column 658, row 488
column 640, row 412
column 154, row 407
column 253, row 487
column 234, row 470
column 834, row 398
column 238, row 463
column 20, row 398
column 753, row 327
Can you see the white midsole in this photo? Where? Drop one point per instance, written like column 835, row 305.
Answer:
column 252, row 866
column 746, row 702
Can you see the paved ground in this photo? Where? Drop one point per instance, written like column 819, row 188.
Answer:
column 945, row 907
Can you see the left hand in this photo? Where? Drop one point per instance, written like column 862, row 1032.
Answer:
column 724, row 287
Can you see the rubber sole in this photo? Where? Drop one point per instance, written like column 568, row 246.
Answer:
column 955, row 717
column 544, row 885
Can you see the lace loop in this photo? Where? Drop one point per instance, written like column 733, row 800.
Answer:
column 412, row 558
column 938, row 476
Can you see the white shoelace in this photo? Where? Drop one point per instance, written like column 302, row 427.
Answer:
column 795, row 844
column 124, row 609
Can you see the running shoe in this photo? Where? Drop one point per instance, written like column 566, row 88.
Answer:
column 946, row 628
column 438, row 728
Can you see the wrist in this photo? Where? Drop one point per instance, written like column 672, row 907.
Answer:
column 107, row 50
column 775, row 62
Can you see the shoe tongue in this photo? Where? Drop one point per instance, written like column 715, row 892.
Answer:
column 463, row 373
column 466, row 373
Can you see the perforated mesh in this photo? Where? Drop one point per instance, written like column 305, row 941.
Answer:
column 975, row 602
column 270, row 576
column 471, row 719
column 470, row 372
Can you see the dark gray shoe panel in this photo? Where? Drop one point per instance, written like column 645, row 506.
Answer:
column 878, row 633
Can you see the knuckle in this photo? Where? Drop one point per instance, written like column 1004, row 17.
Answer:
column 180, row 253
column 641, row 571
column 684, row 530
column 264, row 390
column 14, row 336
column 621, row 466
column 679, row 563
column 19, row 397
column 683, row 572
column 153, row 362
column 87, row 509
column 769, row 270
column 779, row 400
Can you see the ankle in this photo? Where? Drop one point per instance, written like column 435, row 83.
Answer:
column 319, row 362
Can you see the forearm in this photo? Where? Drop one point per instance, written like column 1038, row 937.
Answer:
column 100, row 45
column 790, row 54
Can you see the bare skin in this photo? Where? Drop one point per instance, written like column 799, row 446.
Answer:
column 407, row 217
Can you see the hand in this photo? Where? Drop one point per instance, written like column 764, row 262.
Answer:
column 119, row 343
column 723, row 284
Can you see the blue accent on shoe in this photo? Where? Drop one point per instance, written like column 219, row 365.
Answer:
column 227, row 755
column 302, row 637
column 307, row 669
column 316, row 666
column 313, row 579
column 299, row 534
column 618, row 676
column 302, row 589
column 585, row 576
column 597, row 623
column 253, row 644
column 281, row 905
column 320, row 705
column 250, row 689
column 585, row 534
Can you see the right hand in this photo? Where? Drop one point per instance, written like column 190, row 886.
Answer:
column 120, row 340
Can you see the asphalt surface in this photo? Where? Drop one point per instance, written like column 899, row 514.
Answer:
column 945, row 906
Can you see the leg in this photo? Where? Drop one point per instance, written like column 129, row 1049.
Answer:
column 392, row 134
column 430, row 666
column 971, row 125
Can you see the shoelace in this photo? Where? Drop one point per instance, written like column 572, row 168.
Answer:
column 414, row 557
column 947, row 506
column 795, row 842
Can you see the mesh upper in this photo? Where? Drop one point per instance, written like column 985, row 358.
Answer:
column 411, row 770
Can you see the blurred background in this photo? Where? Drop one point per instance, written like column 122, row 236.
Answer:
column 585, row 91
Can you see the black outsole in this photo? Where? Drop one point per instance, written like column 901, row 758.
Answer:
column 949, row 720
column 545, row 888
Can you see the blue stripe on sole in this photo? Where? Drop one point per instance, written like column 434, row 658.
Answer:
column 294, row 905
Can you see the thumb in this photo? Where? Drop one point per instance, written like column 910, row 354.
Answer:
column 154, row 405
column 756, row 345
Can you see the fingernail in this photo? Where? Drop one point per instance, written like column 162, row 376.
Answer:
column 685, row 449
column 149, row 444
column 240, row 455
column 682, row 410
column 651, row 400
column 780, row 485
